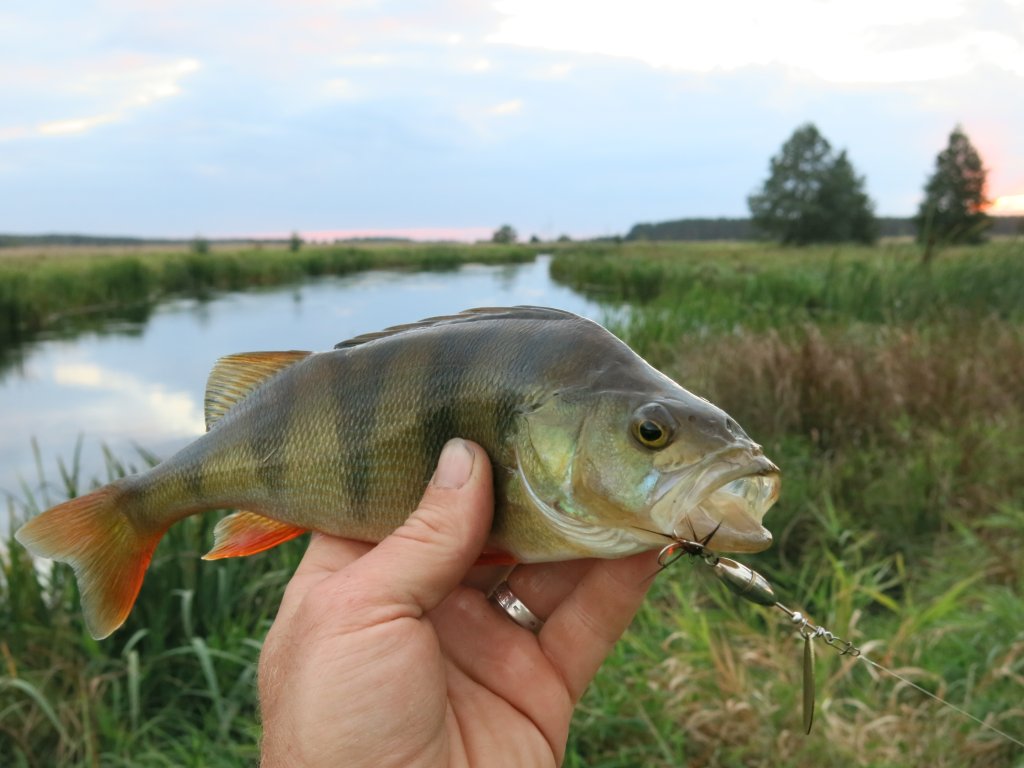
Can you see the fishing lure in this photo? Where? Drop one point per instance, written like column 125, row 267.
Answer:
column 751, row 585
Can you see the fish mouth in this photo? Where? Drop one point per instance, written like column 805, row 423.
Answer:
column 724, row 502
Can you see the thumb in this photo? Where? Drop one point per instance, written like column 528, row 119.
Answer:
column 418, row 565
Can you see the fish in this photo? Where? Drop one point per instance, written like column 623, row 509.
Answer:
column 595, row 453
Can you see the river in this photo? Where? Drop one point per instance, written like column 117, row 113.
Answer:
column 142, row 384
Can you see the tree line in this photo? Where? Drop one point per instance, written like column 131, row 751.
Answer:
column 813, row 194
column 742, row 228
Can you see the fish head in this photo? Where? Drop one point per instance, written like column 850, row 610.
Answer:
column 662, row 464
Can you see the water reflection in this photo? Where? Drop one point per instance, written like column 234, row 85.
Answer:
column 142, row 382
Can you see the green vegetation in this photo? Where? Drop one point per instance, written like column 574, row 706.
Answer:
column 72, row 290
column 891, row 394
column 742, row 229
column 953, row 209
column 504, row 235
column 813, row 195
column 177, row 684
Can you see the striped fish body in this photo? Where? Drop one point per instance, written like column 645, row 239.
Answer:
column 345, row 441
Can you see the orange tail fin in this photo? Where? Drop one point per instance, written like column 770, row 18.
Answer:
column 109, row 555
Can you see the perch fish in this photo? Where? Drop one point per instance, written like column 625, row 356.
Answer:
column 595, row 453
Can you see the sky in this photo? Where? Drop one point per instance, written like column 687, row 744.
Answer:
column 448, row 118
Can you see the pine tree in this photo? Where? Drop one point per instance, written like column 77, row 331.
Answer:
column 813, row 195
column 953, row 209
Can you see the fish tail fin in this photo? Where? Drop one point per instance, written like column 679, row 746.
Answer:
column 108, row 553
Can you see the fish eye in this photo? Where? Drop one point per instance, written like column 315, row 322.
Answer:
column 653, row 426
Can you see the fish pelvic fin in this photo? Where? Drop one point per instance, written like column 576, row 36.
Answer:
column 495, row 557
column 246, row 533
column 106, row 550
column 234, row 377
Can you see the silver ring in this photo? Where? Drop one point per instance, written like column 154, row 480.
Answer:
column 516, row 608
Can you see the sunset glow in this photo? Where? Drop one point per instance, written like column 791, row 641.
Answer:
column 429, row 234
column 1007, row 205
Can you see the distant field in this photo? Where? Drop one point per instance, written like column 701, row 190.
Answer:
column 892, row 396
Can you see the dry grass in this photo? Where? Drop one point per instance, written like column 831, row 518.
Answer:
column 852, row 384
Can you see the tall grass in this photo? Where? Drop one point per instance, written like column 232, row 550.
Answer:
column 175, row 686
column 717, row 287
column 893, row 398
column 901, row 437
column 75, row 290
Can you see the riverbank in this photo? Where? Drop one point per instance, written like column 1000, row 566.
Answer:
column 70, row 289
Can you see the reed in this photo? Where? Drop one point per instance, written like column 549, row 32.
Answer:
column 716, row 287
column 73, row 291
column 900, row 431
column 175, row 686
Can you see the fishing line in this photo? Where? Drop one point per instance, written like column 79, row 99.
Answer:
column 939, row 699
column 752, row 586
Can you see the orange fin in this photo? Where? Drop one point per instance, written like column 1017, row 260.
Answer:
column 235, row 376
column 108, row 553
column 246, row 533
column 495, row 557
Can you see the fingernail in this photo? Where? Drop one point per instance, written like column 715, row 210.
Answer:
column 455, row 465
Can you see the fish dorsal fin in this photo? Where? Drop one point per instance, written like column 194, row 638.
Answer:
column 467, row 316
column 235, row 376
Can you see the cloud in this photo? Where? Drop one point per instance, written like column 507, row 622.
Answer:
column 76, row 124
column 115, row 88
column 865, row 42
column 177, row 412
column 341, row 88
column 511, row 107
column 554, row 115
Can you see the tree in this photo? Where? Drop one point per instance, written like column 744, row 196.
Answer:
column 295, row 242
column 504, row 234
column 813, row 195
column 843, row 193
column 200, row 245
column 953, row 209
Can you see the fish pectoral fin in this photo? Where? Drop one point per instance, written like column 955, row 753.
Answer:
column 234, row 377
column 246, row 533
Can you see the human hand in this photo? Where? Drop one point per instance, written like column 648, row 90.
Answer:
column 380, row 657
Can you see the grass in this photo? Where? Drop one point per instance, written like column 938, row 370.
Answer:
column 715, row 287
column 71, row 290
column 899, row 425
column 893, row 398
column 175, row 682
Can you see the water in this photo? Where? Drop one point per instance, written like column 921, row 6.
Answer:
column 143, row 384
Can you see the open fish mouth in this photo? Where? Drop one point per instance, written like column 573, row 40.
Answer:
column 730, row 501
